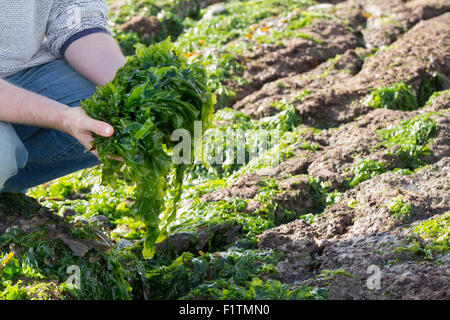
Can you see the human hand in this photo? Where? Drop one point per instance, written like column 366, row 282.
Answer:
column 80, row 126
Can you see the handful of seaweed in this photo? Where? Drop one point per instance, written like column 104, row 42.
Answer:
column 152, row 95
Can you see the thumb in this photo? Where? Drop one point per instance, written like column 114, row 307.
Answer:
column 99, row 127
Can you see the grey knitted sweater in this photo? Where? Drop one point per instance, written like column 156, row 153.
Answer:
column 33, row 32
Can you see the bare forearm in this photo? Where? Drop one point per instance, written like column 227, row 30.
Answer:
column 21, row 106
column 97, row 57
column 18, row 105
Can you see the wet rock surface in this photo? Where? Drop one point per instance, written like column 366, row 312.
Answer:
column 349, row 240
column 358, row 236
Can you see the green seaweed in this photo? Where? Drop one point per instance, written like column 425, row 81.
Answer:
column 219, row 39
column 397, row 96
column 302, row 94
column 436, row 232
column 366, row 169
column 170, row 14
column 400, row 210
column 270, row 209
column 428, row 87
column 410, row 140
column 230, row 213
column 330, row 274
column 228, row 275
column 256, row 289
column 42, row 260
column 429, row 239
column 229, row 145
column 154, row 94
column 321, row 195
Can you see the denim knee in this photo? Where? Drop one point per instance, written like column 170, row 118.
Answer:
column 74, row 158
column 13, row 153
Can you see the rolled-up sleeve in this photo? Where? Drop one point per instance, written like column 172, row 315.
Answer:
column 70, row 20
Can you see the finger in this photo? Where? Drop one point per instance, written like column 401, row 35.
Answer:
column 99, row 127
column 95, row 153
column 115, row 158
column 87, row 142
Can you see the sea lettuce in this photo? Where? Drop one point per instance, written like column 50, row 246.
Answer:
column 155, row 93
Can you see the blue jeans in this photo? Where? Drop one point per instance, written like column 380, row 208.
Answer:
column 52, row 153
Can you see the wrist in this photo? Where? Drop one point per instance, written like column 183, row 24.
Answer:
column 64, row 120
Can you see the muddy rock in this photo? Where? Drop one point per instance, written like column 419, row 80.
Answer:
column 356, row 261
column 424, row 191
column 194, row 241
column 333, row 99
column 297, row 241
column 345, row 245
column 293, row 192
column 101, row 221
column 347, row 144
column 334, row 222
column 410, row 59
column 383, row 22
column 146, row 27
column 295, row 195
column 299, row 55
column 180, row 242
column 246, row 187
column 294, row 166
column 439, row 103
column 329, row 73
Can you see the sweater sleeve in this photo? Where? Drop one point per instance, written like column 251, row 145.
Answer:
column 70, row 20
